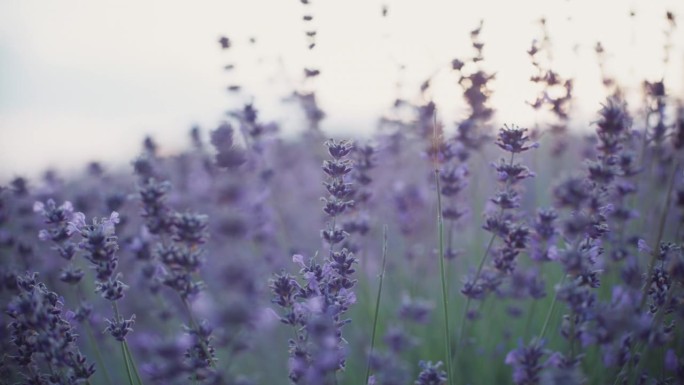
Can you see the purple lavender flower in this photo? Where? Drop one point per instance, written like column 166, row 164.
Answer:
column 430, row 374
column 153, row 195
column 228, row 156
column 543, row 236
column 99, row 242
column 42, row 337
column 315, row 308
column 120, row 327
column 526, row 363
column 514, row 140
column 502, row 222
column 59, row 232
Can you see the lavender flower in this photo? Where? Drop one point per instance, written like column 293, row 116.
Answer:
column 526, row 363
column 155, row 211
column 544, row 235
column 43, row 339
column 228, row 156
column 99, row 242
column 502, row 222
column 514, row 140
column 315, row 308
column 120, row 327
column 60, row 233
column 430, row 374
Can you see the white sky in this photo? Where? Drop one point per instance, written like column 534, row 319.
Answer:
column 86, row 80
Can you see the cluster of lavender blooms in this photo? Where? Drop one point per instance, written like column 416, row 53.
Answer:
column 590, row 235
column 228, row 154
column 503, row 221
column 306, row 96
column 555, row 92
column 259, row 138
column 99, row 245
column 315, row 308
column 59, row 232
column 576, row 276
column 473, row 132
column 176, row 258
column 358, row 223
column 44, row 341
column 591, row 221
column 453, row 178
column 597, row 228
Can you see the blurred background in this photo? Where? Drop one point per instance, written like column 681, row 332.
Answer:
column 88, row 80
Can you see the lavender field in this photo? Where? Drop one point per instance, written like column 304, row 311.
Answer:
column 437, row 249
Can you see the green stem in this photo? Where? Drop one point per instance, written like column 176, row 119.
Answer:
column 479, row 270
column 528, row 322
column 484, row 258
column 128, row 368
column 123, row 348
column 445, row 298
column 468, row 299
column 135, row 366
column 542, row 333
column 377, row 302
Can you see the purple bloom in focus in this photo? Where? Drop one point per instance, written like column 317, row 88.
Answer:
column 514, row 139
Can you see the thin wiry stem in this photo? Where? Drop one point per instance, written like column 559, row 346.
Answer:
column 479, row 271
column 445, row 298
column 530, row 314
column 128, row 368
column 135, row 366
column 468, row 299
column 377, row 302
column 542, row 333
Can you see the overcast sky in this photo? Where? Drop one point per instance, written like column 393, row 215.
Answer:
column 87, row 80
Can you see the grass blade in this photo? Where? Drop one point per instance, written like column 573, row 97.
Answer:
column 377, row 302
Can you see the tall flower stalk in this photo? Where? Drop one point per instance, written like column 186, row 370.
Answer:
column 99, row 244
column 58, row 232
column 442, row 273
column 179, row 256
column 502, row 223
column 315, row 307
